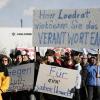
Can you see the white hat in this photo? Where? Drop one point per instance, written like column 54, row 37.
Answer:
column 23, row 52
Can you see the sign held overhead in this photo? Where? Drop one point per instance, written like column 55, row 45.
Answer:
column 78, row 28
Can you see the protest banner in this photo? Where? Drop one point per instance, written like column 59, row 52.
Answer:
column 74, row 28
column 56, row 80
column 22, row 77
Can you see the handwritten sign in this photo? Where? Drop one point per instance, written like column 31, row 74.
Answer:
column 78, row 28
column 22, row 77
column 56, row 80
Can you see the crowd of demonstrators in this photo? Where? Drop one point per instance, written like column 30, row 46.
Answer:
column 20, row 57
column 16, row 58
column 87, row 86
column 88, row 78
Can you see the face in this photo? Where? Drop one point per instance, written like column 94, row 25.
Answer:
column 5, row 61
column 25, row 58
column 84, row 60
column 19, row 58
column 50, row 59
column 93, row 61
column 68, row 56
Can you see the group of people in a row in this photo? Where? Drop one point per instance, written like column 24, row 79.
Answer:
column 88, row 82
column 88, row 78
column 14, row 59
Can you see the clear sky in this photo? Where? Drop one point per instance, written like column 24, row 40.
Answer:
column 12, row 11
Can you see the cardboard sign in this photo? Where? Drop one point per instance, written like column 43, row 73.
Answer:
column 78, row 28
column 22, row 77
column 56, row 80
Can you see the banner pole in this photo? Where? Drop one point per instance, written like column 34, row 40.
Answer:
column 35, row 54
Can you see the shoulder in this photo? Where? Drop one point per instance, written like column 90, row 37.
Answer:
column 4, row 69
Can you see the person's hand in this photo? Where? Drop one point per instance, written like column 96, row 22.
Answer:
column 15, row 90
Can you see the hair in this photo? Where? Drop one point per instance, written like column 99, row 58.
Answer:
column 4, row 56
column 49, row 52
column 93, row 57
column 18, row 52
column 77, row 60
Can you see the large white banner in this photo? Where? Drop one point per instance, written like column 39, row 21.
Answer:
column 22, row 77
column 56, row 80
column 12, row 38
column 75, row 28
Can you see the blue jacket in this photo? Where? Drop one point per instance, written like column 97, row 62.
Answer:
column 91, row 75
column 98, row 78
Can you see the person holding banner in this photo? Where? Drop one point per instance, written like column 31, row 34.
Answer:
column 84, row 64
column 91, row 78
column 18, row 57
column 25, row 57
column 97, row 90
column 69, row 61
column 78, row 67
column 51, row 58
column 4, row 77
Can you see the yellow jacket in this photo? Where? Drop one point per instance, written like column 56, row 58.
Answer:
column 4, row 80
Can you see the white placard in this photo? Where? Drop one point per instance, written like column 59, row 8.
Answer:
column 22, row 77
column 56, row 80
column 78, row 28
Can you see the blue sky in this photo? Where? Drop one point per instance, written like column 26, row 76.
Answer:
column 11, row 11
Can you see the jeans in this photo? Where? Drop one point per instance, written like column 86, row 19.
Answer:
column 97, row 93
column 91, row 91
